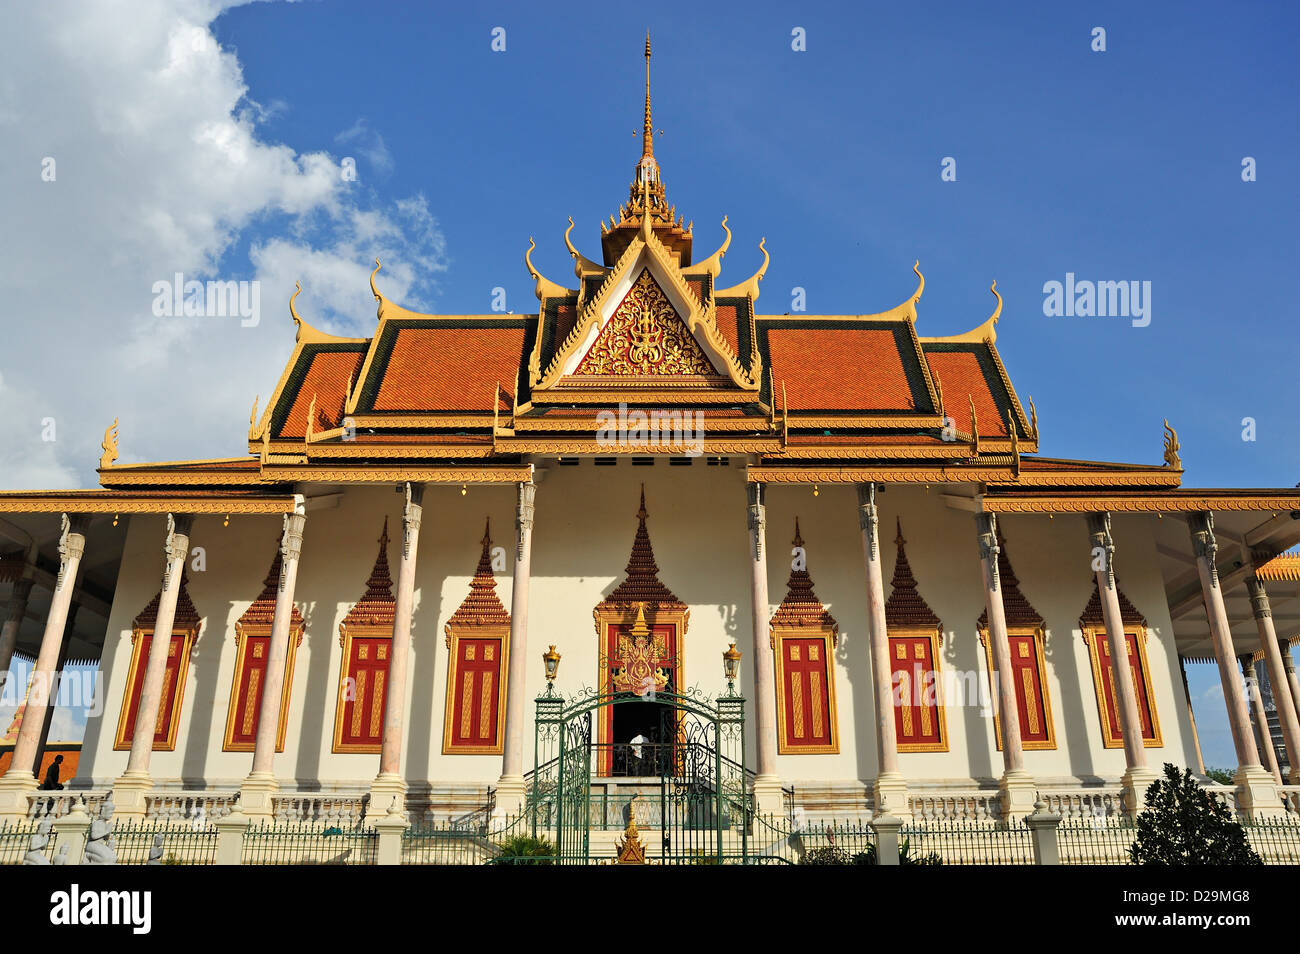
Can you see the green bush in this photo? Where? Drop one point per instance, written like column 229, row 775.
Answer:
column 1222, row 776
column 525, row 850
column 1183, row 824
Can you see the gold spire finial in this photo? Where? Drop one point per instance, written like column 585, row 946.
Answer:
column 1171, row 448
column 647, row 135
column 109, row 446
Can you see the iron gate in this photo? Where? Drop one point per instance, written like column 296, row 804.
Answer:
column 696, row 763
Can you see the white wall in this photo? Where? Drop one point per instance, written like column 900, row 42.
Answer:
column 583, row 532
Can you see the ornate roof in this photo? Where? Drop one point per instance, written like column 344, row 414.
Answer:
column 262, row 611
column 905, row 607
column 186, row 619
column 377, row 607
column 642, row 584
column 801, row 607
column 481, row 607
column 1092, row 615
column 1018, row 610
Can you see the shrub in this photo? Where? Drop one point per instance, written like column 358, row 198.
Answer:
column 525, row 850
column 1182, row 824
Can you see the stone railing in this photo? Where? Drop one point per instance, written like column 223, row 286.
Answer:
column 57, row 804
column 339, row 811
column 978, row 805
column 1100, row 802
column 195, row 808
column 1291, row 796
column 1227, row 792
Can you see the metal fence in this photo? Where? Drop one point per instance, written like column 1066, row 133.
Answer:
column 967, row 843
column 308, row 844
column 186, row 844
column 1095, row 841
column 14, row 839
column 1276, row 840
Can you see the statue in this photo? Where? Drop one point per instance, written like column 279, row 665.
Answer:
column 156, row 850
column 39, row 842
column 99, row 840
column 62, row 857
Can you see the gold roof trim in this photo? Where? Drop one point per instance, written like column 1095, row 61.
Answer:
column 749, row 287
column 897, row 475
column 984, row 332
column 97, row 501
column 583, row 267
column 543, row 286
column 1173, row 502
column 713, row 264
column 384, row 475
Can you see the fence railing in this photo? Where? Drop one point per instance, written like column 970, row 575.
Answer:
column 1275, row 840
column 949, row 842
column 305, row 843
column 57, row 804
column 1101, row 802
column 330, row 811
column 169, row 842
column 14, row 839
column 1099, row 840
column 189, row 808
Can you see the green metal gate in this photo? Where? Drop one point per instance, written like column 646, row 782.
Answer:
column 696, row 761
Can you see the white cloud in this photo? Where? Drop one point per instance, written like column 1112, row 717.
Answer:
column 161, row 167
column 368, row 144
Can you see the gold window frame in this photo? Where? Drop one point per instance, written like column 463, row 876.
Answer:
column 935, row 637
column 501, row 633
column 624, row 614
column 346, row 635
column 1110, row 735
column 241, row 653
column 830, row 639
column 1040, row 637
column 120, row 742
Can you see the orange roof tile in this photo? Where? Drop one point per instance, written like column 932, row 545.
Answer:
column 326, row 378
column 840, row 368
column 450, row 368
column 960, row 374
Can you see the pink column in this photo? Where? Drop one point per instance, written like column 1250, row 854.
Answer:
column 881, row 670
column 767, row 782
column 1136, row 776
column 390, row 758
column 1191, row 718
column 72, row 544
column 1013, row 753
column 1263, row 738
column 1289, row 664
column 510, row 787
column 273, row 684
column 175, row 548
column 1257, row 792
column 1278, row 677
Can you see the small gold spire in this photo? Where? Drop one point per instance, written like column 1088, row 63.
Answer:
column 647, row 135
column 1171, row 448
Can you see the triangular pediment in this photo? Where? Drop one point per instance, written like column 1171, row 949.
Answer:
column 615, row 338
column 645, row 335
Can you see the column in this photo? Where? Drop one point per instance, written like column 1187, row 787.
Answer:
column 767, row 782
column 1289, row 664
column 1263, row 738
column 260, row 785
column 1017, row 786
column 132, row 788
column 1256, row 791
column 1281, row 677
column 891, row 788
column 21, row 778
column 1191, row 718
column 16, row 610
column 388, row 791
column 1137, row 776
column 69, row 629
column 510, row 787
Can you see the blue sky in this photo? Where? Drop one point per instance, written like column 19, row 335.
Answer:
column 1115, row 165
column 176, row 154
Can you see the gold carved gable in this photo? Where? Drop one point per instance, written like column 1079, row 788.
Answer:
column 645, row 336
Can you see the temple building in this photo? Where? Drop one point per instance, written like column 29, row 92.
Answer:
column 647, row 493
